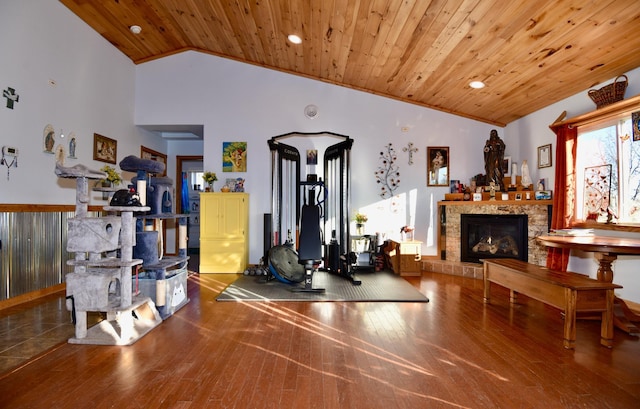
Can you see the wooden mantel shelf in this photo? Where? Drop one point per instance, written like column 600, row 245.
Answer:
column 496, row 202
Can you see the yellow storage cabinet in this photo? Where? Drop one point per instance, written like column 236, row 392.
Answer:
column 224, row 232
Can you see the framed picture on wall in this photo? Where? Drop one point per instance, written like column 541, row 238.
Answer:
column 437, row 166
column 104, row 149
column 234, row 156
column 544, row 156
column 146, row 153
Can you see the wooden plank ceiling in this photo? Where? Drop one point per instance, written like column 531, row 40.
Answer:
column 530, row 53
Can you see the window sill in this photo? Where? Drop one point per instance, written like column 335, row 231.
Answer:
column 630, row 227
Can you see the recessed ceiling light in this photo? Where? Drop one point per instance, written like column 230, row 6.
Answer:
column 294, row 39
column 476, row 84
column 135, row 29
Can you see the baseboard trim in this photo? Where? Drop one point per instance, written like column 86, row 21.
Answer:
column 30, row 296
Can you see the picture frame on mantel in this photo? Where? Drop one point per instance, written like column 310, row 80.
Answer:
column 146, row 153
column 544, row 156
column 437, row 166
column 104, row 149
column 506, row 166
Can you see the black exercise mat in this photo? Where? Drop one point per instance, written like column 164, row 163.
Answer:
column 376, row 286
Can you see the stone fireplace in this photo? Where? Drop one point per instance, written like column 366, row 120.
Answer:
column 537, row 212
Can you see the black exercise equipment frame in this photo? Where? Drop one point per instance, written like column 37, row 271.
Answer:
column 335, row 211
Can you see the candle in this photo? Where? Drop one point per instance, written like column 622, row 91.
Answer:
column 514, row 171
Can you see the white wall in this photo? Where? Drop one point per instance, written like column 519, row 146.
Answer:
column 533, row 131
column 94, row 92
column 241, row 102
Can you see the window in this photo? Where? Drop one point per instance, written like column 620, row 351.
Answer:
column 608, row 172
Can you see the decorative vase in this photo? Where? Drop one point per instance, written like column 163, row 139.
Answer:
column 360, row 229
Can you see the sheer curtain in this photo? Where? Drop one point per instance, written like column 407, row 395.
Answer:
column 565, row 187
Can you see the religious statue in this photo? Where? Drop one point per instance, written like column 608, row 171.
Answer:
column 525, row 181
column 493, row 159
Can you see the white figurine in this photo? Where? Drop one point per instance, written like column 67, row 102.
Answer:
column 526, row 179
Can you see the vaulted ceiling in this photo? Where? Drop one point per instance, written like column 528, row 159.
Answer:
column 529, row 53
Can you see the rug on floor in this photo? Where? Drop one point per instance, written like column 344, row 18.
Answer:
column 376, row 286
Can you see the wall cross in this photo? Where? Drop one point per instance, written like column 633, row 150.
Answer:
column 409, row 148
column 11, row 96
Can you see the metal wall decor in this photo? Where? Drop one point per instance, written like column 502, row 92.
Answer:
column 388, row 173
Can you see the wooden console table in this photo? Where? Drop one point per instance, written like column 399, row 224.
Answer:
column 606, row 250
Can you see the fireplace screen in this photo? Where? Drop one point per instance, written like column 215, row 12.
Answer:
column 485, row 236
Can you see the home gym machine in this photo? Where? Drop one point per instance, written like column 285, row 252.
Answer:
column 297, row 238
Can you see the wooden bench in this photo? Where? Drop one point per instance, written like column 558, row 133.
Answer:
column 570, row 292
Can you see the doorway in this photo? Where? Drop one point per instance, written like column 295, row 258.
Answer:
column 189, row 184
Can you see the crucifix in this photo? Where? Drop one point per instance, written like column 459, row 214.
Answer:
column 11, row 96
column 409, row 148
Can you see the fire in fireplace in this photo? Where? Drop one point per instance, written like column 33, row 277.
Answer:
column 485, row 236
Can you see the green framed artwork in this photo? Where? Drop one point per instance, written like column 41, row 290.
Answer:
column 234, row 156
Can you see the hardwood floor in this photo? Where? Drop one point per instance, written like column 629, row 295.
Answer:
column 453, row 352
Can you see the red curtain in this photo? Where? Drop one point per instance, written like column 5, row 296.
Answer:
column 564, row 191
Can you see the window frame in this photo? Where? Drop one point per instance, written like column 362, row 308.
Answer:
column 611, row 112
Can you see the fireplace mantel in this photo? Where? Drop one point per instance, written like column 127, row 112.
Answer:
column 449, row 228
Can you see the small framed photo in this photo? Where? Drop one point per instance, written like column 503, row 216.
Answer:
column 543, row 195
column 518, row 196
column 506, row 166
column 454, row 186
column 437, row 166
column 544, row 156
column 104, row 149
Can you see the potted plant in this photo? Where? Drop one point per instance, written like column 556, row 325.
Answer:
column 360, row 219
column 209, row 178
column 113, row 177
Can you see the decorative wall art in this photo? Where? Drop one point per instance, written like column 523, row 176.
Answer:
column 409, row 148
column 635, row 124
column 597, row 189
column 437, row 166
column 312, row 156
column 104, row 149
column 544, row 156
column 60, row 154
column 49, row 139
column 234, row 156
column 146, row 153
column 388, row 173
column 73, row 144
column 11, row 96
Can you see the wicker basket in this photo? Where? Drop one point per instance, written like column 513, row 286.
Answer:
column 609, row 93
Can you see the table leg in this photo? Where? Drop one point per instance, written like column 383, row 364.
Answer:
column 605, row 273
column 623, row 317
